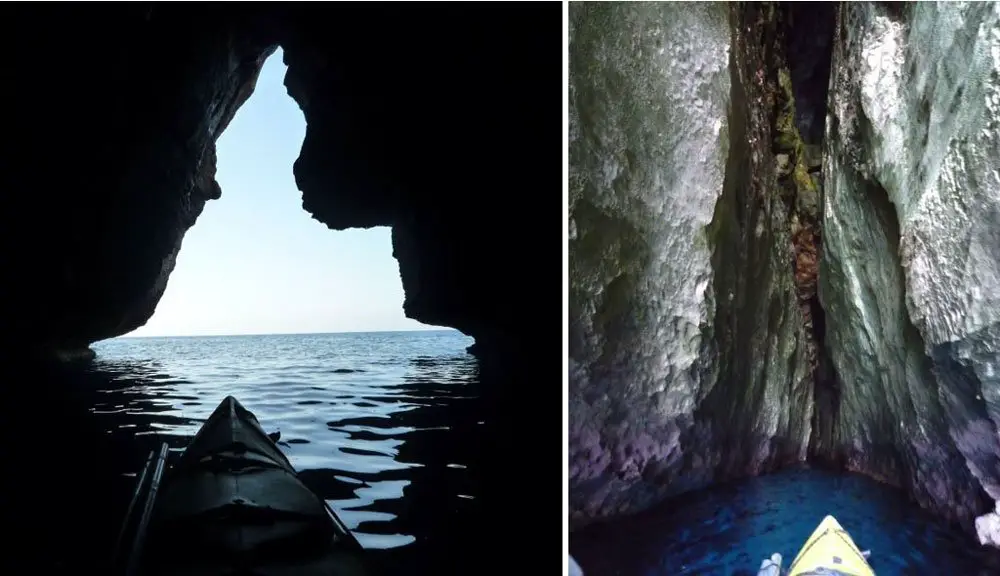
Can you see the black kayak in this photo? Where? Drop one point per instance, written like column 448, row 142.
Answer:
column 232, row 505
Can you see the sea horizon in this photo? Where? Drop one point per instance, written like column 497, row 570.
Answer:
column 399, row 330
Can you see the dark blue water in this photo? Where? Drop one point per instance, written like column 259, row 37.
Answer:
column 729, row 529
column 384, row 426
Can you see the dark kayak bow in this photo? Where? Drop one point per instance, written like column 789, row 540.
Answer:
column 234, row 505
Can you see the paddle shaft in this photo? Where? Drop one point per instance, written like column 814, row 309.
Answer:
column 140, row 533
column 131, row 506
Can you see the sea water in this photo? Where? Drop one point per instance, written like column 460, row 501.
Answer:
column 728, row 530
column 384, row 426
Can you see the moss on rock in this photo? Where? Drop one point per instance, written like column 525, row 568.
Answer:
column 789, row 141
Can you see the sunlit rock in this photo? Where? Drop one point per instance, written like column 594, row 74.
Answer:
column 911, row 261
column 988, row 528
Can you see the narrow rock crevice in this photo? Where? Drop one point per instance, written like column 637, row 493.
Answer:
column 801, row 49
column 758, row 327
column 808, row 47
column 839, row 320
column 803, row 53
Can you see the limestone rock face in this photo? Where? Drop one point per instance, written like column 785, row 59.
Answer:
column 910, row 274
column 686, row 357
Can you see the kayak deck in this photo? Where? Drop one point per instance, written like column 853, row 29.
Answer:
column 234, row 505
column 830, row 550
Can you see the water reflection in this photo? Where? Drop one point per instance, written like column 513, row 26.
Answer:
column 389, row 439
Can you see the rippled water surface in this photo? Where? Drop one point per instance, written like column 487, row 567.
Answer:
column 382, row 425
column 728, row 530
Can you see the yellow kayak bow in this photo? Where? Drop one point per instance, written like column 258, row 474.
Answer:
column 830, row 549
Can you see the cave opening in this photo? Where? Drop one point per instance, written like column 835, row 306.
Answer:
column 256, row 262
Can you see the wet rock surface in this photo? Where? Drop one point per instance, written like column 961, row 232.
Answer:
column 687, row 364
column 911, row 262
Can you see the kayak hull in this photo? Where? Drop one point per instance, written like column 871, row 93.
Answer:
column 830, row 547
column 234, row 505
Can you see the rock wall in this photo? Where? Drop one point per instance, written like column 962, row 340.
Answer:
column 689, row 361
column 450, row 145
column 112, row 158
column 742, row 298
column 911, row 261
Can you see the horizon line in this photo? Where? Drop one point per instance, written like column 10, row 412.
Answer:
column 428, row 329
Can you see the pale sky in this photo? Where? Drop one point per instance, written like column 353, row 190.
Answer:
column 256, row 262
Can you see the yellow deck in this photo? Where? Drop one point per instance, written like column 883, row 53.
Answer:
column 830, row 547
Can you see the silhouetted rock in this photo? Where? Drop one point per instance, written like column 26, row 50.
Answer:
column 418, row 127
